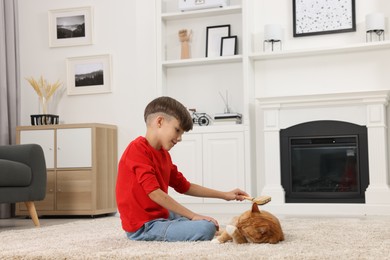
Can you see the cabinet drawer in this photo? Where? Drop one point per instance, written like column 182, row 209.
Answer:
column 74, row 190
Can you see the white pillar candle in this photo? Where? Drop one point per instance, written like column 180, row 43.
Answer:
column 272, row 32
column 375, row 21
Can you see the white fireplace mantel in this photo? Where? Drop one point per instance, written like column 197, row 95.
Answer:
column 363, row 108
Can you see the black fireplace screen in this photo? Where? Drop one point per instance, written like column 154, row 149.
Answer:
column 324, row 164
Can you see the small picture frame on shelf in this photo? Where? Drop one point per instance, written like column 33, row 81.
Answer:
column 229, row 46
column 71, row 27
column 88, row 74
column 313, row 17
column 214, row 35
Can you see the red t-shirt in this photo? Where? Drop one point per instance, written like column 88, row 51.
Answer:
column 141, row 170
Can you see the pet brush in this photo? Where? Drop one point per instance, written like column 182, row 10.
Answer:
column 261, row 200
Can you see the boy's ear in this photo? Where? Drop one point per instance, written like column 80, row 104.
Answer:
column 159, row 121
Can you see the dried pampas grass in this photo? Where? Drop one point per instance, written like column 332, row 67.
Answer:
column 43, row 88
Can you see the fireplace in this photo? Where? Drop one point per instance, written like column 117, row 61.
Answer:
column 367, row 111
column 324, row 162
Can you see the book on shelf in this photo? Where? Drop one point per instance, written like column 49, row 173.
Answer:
column 221, row 116
column 227, row 119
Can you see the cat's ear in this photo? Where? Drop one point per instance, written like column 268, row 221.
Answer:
column 255, row 208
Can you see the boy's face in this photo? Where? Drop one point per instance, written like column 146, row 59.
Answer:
column 170, row 132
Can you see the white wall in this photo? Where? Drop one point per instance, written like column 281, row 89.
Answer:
column 126, row 30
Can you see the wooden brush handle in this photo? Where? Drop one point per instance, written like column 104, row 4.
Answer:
column 248, row 198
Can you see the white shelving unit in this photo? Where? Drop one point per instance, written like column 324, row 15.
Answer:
column 197, row 82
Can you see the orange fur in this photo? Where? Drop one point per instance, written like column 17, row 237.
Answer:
column 253, row 226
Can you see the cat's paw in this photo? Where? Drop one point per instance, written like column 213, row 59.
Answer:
column 216, row 241
column 230, row 229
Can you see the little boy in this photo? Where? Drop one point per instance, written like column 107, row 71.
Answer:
column 146, row 170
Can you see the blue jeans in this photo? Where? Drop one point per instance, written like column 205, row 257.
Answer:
column 175, row 228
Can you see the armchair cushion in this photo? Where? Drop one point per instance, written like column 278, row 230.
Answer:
column 14, row 174
column 30, row 183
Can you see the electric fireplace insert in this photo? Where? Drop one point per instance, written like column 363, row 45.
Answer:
column 324, row 162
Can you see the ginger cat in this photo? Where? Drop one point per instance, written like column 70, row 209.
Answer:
column 253, row 226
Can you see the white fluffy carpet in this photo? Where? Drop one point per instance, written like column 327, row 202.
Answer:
column 102, row 238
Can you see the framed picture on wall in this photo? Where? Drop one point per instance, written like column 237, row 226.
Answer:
column 70, row 27
column 214, row 35
column 313, row 17
column 88, row 74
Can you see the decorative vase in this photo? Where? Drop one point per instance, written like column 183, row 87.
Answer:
column 44, row 118
column 43, row 104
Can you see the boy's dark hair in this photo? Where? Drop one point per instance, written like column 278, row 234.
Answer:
column 171, row 107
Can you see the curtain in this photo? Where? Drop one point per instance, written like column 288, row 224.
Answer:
column 9, row 72
column 9, row 82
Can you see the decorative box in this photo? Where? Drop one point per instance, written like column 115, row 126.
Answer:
column 186, row 5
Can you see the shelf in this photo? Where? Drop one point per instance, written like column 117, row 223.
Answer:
column 201, row 61
column 235, row 9
column 218, row 128
column 361, row 47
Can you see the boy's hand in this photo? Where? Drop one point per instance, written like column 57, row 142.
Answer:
column 236, row 194
column 200, row 217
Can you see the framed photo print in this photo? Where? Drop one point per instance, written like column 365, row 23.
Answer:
column 89, row 74
column 313, row 17
column 228, row 45
column 70, row 27
column 214, row 35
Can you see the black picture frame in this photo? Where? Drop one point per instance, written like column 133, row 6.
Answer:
column 229, row 45
column 214, row 35
column 313, row 17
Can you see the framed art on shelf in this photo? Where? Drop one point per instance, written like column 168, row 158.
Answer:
column 214, row 35
column 70, row 27
column 89, row 74
column 313, row 17
column 229, row 46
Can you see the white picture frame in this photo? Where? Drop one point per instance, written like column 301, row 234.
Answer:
column 89, row 74
column 71, row 26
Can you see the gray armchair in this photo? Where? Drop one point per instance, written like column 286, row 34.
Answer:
column 23, row 176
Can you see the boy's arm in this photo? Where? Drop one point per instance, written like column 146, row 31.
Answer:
column 166, row 201
column 200, row 191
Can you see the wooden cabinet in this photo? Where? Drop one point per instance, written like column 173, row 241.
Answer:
column 215, row 160
column 82, row 167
